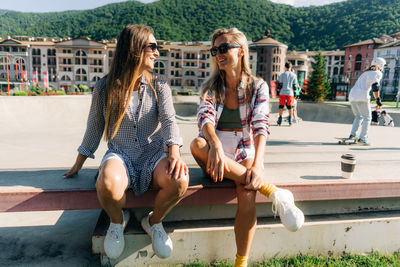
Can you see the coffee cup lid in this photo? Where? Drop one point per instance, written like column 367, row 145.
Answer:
column 348, row 156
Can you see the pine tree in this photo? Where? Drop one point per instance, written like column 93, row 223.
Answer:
column 318, row 86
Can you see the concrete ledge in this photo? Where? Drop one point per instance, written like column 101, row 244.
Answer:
column 321, row 235
column 202, row 191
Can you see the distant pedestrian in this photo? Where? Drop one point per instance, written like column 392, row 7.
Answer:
column 360, row 99
column 287, row 83
column 385, row 119
column 133, row 109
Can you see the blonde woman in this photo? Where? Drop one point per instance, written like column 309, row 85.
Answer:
column 134, row 110
column 233, row 123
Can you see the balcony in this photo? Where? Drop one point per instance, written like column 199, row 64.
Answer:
column 190, row 67
column 99, row 56
column 391, row 56
column 14, row 54
column 70, row 55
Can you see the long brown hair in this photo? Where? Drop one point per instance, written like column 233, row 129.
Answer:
column 217, row 78
column 123, row 75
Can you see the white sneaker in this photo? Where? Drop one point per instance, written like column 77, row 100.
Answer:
column 162, row 244
column 283, row 204
column 114, row 242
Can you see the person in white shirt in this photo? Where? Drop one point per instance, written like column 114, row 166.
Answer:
column 360, row 99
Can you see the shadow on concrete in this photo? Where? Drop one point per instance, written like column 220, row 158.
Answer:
column 47, row 178
column 376, row 148
column 61, row 244
column 319, row 177
column 298, row 143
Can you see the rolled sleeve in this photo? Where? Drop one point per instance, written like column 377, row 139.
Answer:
column 169, row 126
column 206, row 112
column 260, row 114
column 95, row 123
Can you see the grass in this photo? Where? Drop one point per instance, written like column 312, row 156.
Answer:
column 346, row 260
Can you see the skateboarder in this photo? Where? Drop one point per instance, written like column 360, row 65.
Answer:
column 286, row 83
column 360, row 100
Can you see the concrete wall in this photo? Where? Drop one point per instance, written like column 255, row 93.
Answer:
column 46, row 112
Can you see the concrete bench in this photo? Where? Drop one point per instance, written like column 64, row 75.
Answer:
column 43, row 190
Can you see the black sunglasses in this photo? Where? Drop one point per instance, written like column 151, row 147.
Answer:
column 223, row 48
column 153, row 47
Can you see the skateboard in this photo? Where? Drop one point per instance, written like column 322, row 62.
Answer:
column 346, row 141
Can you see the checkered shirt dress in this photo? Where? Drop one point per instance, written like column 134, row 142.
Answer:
column 254, row 116
column 144, row 135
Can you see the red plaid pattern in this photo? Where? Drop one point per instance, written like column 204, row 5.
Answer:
column 254, row 116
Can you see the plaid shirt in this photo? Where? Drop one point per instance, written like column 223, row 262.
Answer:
column 254, row 117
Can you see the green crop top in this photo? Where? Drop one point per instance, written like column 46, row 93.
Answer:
column 230, row 119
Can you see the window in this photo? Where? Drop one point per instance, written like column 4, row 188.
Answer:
column 388, row 52
column 358, row 62
column 159, row 68
column 359, row 48
column 350, row 49
column 300, row 62
column 80, row 57
column 110, row 53
column 81, row 75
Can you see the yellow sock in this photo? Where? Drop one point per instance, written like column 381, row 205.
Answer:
column 267, row 189
column 241, row 261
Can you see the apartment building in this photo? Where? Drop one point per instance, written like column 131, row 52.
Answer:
column 63, row 63
column 187, row 64
column 358, row 56
column 271, row 57
column 80, row 61
column 15, row 55
column 391, row 73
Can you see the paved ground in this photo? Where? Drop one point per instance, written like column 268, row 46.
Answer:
column 304, row 152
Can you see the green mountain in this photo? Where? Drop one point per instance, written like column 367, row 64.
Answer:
column 314, row 28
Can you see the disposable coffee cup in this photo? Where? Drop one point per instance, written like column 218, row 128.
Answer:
column 348, row 164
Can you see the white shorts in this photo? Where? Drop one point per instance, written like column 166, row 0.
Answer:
column 112, row 155
column 230, row 141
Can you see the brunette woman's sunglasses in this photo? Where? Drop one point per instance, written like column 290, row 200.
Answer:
column 223, row 48
column 153, row 47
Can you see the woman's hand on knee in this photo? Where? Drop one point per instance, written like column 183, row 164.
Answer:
column 254, row 180
column 177, row 167
column 216, row 163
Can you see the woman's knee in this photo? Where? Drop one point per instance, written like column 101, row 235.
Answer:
column 112, row 184
column 197, row 145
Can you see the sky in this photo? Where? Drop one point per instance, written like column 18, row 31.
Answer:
column 62, row 5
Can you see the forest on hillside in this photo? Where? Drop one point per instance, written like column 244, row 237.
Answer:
column 315, row 28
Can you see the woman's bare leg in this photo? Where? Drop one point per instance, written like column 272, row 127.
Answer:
column 170, row 193
column 111, row 186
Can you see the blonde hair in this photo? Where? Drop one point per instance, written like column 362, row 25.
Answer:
column 216, row 80
column 374, row 67
column 123, row 75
